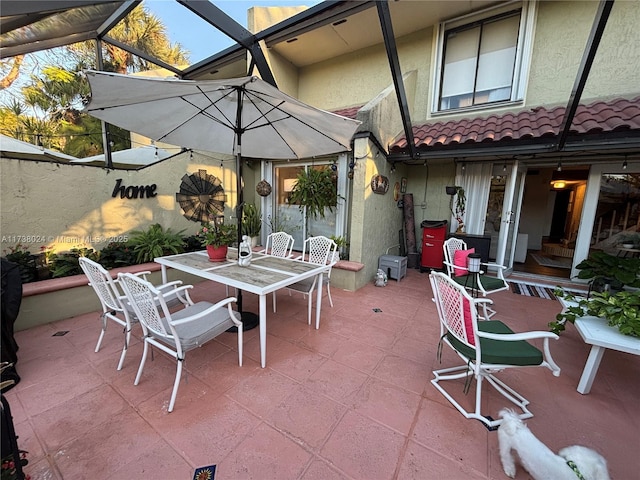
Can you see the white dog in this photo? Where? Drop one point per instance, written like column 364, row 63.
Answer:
column 571, row 463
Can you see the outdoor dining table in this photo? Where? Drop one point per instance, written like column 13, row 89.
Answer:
column 264, row 275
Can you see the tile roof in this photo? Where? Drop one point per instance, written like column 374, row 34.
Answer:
column 601, row 117
column 350, row 112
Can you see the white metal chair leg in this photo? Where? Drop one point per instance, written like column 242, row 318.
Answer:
column 127, row 340
column 176, row 384
column 104, row 329
column 329, row 294
column 145, row 350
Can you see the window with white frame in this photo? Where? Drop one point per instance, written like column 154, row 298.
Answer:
column 483, row 58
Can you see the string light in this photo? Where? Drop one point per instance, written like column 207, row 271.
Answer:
column 624, row 164
column 559, row 166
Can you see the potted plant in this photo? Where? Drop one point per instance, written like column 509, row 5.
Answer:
column 316, row 190
column 251, row 223
column 460, row 205
column 621, row 309
column 343, row 246
column 608, row 272
column 216, row 238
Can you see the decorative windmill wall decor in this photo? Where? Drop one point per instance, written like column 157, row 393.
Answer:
column 201, row 195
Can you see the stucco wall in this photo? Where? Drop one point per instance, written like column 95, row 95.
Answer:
column 561, row 36
column 375, row 219
column 67, row 206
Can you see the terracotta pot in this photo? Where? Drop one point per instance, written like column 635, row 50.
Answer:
column 217, row 254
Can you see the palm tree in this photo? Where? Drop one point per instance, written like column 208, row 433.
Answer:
column 57, row 91
column 145, row 32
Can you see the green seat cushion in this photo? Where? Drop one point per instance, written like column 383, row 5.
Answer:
column 489, row 283
column 499, row 352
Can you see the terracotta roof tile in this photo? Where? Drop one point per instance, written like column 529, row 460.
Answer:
column 593, row 119
column 350, row 112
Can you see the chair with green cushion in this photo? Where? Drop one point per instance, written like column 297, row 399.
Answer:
column 455, row 261
column 486, row 348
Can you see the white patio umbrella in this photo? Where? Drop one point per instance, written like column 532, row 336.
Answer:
column 131, row 157
column 246, row 117
column 13, row 148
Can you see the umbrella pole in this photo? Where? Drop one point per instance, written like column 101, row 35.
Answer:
column 249, row 319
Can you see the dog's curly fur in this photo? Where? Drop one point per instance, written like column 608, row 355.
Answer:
column 540, row 461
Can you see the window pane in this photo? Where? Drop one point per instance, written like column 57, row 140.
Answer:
column 479, row 63
column 617, row 214
column 497, row 58
column 460, row 62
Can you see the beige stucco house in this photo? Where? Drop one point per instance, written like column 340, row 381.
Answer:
column 483, row 90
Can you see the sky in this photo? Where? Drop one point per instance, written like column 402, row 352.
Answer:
column 199, row 37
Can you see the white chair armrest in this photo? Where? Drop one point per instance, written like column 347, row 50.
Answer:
column 172, row 284
column 227, row 301
column 456, row 267
column 514, row 337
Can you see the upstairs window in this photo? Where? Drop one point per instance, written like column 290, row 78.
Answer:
column 483, row 59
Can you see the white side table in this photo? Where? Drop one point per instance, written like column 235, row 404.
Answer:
column 595, row 332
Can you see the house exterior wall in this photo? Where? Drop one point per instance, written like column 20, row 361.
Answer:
column 562, row 31
column 560, row 36
column 86, row 210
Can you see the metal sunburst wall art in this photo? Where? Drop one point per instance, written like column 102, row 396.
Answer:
column 201, row 195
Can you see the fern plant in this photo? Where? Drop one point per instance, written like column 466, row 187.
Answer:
column 156, row 242
column 315, row 190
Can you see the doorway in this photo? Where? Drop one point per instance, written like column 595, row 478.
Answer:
column 552, row 206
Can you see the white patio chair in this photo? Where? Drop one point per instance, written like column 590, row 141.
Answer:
column 319, row 250
column 112, row 300
column 458, row 270
column 177, row 333
column 279, row 244
column 485, row 348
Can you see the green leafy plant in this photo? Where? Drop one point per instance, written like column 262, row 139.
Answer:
column 342, row 244
column 20, row 255
column 282, row 223
column 192, row 243
column 316, row 190
column 217, row 235
column 118, row 254
column 601, row 267
column 621, row 309
column 251, row 220
column 156, row 242
column 64, row 264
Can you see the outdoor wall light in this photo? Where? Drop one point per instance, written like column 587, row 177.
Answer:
column 474, row 262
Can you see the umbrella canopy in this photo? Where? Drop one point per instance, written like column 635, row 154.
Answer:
column 219, row 115
column 132, row 157
column 13, row 148
column 245, row 117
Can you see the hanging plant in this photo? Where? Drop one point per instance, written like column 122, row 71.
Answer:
column 315, row 190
